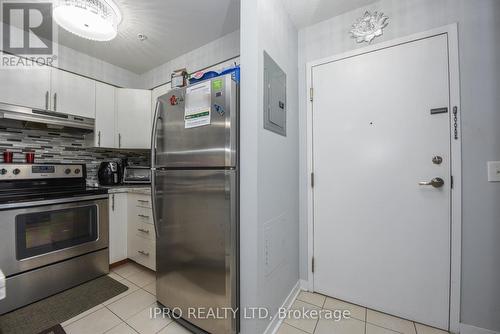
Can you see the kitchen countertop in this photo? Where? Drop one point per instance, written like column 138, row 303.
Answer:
column 143, row 189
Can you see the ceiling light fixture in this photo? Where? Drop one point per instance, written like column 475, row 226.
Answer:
column 96, row 20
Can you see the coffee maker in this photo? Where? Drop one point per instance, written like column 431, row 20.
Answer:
column 109, row 173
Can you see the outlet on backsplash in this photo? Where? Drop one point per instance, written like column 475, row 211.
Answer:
column 63, row 147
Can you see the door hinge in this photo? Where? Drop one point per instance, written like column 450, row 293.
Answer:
column 312, row 180
column 311, row 94
column 452, row 181
column 312, row 264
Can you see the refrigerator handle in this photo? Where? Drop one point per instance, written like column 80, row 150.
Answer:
column 153, row 167
column 153, row 135
column 153, row 201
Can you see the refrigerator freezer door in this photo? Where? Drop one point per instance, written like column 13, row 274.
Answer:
column 196, row 248
column 177, row 145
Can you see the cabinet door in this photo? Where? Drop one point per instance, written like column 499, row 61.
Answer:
column 117, row 227
column 27, row 87
column 72, row 94
column 155, row 94
column 133, row 118
column 104, row 115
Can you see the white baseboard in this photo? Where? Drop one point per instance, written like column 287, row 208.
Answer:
column 304, row 285
column 275, row 324
column 468, row 329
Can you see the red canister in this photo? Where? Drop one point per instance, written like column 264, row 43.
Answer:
column 7, row 157
column 30, row 157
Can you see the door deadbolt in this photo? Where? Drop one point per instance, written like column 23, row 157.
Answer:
column 437, row 160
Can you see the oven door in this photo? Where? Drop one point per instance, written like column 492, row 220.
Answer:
column 47, row 232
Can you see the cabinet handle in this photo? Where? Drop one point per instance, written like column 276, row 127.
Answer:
column 143, row 216
column 119, row 140
column 113, row 202
column 55, row 101
column 143, row 253
column 99, row 139
column 143, row 230
column 47, row 100
column 142, row 201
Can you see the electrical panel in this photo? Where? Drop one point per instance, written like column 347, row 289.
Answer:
column 275, row 106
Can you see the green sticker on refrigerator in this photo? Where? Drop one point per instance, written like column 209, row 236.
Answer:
column 217, row 85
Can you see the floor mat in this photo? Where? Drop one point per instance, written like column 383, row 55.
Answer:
column 54, row 310
column 54, row 330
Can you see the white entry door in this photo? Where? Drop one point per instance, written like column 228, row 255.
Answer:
column 382, row 239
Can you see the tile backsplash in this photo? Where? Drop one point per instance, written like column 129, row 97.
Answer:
column 54, row 146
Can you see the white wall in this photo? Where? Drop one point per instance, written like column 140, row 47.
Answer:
column 219, row 54
column 479, row 39
column 80, row 63
column 269, row 164
column 223, row 51
column 77, row 62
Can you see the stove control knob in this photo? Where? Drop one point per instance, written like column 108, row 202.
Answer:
column 67, row 171
column 3, row 171
column 16, row 171
column 77, row 171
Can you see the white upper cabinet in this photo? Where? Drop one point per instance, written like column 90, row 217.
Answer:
column 27, row 87
column 155, row 94
column 104, row 135
column 122, row 116
column 133, row 118
column 72, row 94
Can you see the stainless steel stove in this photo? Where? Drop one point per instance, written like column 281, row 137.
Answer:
column 53, row 231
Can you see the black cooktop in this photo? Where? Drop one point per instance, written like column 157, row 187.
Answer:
column 20, row 196
column 21, row 183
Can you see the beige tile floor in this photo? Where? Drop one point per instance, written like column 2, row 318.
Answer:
column 362, row 321
column 127, row 313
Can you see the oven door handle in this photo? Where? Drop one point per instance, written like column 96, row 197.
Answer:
column 51, row 201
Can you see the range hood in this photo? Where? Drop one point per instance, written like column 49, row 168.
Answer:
column 49, row 119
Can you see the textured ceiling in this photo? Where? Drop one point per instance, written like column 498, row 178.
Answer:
column 173, row 27
column 307, row 12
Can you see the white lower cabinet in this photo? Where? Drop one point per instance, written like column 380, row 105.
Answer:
column 141, row 246
column 117, row 227
column 131, row 229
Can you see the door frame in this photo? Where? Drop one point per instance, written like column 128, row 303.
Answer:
column 455, row 149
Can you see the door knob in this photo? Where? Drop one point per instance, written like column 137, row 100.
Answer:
column 436, row 182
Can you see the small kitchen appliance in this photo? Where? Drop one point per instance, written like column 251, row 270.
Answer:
column 109, row 173
column 137, row 175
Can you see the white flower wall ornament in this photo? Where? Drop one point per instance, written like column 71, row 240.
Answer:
column 369, row 26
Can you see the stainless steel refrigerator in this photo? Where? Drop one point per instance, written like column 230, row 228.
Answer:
column 195, row 203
